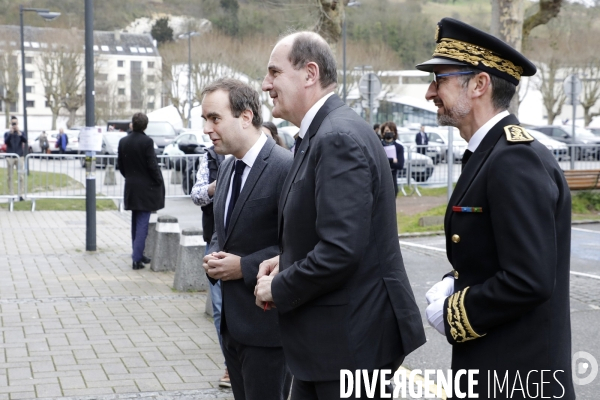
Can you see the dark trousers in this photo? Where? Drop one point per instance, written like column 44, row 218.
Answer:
column 330, row 390
column 139, row 231
column 395, row 181
column 256, row 373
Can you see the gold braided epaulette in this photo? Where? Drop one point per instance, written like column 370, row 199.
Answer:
column 473, row 54
column 460, row 327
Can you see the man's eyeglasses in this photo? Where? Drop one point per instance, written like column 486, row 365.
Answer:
column 457, row 73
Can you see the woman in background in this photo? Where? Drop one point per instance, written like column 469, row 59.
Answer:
column 393, row 149
column 270, row 130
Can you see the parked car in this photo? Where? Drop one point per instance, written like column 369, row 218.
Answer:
column 439, row 136
column 408, row 137
column 162, row 132
column 559, row 149
column 421, row 167
column 583, row 138
column 595, row 131
column 172, row 149
column 110, row 147
column 72, row 146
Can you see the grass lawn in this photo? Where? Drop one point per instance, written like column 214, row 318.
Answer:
column 410, row 223
column 39, row 181
column 61, row 205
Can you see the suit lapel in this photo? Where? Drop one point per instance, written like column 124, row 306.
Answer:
column 255, row 172
column 332, row 103
column 475, row 163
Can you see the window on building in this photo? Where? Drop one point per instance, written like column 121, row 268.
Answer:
column 150, row 78
column 29, row 89
column 47, row 105
column 120, row 63
column 121, row 78
column 122, row 91
column 151, row 106
column 28, row 60
column 28, row 74
column 150, row 64
column 30, row 104
column 151, row 92
column 102, row 77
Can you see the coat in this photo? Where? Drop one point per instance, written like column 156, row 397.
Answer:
column 144, row 185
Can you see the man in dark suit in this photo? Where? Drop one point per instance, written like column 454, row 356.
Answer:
column 422, row 140
column 505, row 306
column 144, row 186
column 339, row 285
column 245, row 211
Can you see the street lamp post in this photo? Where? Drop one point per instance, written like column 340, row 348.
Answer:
column 350, row 4
column 48, row 16
column 189, row 37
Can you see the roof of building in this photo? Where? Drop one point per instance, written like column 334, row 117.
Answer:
column 115, row 43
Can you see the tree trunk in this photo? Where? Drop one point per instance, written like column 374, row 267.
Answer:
column 548, row 9
column 507, row 25
column 54, row 118
column 329, row 24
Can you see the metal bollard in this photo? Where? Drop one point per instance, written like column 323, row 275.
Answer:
column 189, row 274
column 167, row 244
column 151, row 238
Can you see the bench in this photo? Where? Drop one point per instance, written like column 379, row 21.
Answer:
column 583, row 179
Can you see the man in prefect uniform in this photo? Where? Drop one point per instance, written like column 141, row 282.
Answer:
column 505, row 306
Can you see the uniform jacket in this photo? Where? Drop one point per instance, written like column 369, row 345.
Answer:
column 144, row 186
column 342, row 293
column 252, row 235
column 510, row 310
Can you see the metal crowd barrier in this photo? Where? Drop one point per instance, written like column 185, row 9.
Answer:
column 53, row 176
column 12, row 164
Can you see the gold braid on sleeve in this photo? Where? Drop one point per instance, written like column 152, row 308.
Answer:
column 460, row 327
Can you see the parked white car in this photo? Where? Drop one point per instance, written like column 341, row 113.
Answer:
column 439, row 136
column 172, row 149
column 72, row 146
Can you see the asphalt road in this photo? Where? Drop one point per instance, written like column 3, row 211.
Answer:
column 426, row 262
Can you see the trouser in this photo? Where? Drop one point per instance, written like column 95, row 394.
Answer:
column 15, row 163
column 256, row 373
column 139, row 231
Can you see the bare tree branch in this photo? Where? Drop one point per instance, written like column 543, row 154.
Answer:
column 548, row 9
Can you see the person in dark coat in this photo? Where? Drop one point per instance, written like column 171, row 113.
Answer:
column 421, row 139
column 505, row 306
column 144, row 185
column 390, row 135
column 62, row 140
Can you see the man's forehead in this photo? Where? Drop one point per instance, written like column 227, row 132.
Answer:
column 216, row 102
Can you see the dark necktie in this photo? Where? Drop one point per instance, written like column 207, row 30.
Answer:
column 236, row 187
column 297, row 145
column 465, row 159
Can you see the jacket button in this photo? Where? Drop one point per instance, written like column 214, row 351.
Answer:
column 455, row 238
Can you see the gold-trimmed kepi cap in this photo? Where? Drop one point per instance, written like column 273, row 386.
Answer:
column 462, row 44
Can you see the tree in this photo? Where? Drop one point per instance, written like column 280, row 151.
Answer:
column 9, row 82
column 550, row 85
column 161, row 31
column 330, row 18
column 547, row 9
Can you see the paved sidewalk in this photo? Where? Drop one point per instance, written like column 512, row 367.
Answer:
column 81, row 325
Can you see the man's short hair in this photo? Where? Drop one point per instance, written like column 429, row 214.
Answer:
column 139, row 122
column 310, row 47
column 242, row 97
column 502, row 90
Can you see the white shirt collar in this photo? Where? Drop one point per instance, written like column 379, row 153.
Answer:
column 310, row 115
column 481, row 132
column 251, row 154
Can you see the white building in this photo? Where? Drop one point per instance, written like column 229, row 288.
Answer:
column 127, row 73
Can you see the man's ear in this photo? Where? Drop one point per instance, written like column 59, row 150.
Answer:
column 312, row 74
column 483, row 84
column 246, row 117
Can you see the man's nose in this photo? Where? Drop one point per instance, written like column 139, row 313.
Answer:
column 266, row 84
column 431, row 91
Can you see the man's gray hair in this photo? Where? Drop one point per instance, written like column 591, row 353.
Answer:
column 242, row 97
column 311, row 47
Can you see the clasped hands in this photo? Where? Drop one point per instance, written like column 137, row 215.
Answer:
column 223, row 266
column 266, row 272
column 436, row 297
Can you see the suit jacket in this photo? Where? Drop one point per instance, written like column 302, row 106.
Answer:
column 422, row 140
column 342, row 293
column 144, row 186
column 512, row 260
column 252, row 235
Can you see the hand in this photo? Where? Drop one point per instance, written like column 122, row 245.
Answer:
column 223, row 266
column 435, row 315
column 211, row 189
column 263, row 294
column 395, row 160
column 268, row 267
column 442, row 289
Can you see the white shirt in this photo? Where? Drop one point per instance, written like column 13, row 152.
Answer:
column 248, row 159
column 310, row 115
column 485, row 128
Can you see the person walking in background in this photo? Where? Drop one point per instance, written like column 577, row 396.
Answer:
column 62, row 141
column 43, row 140
column 202, row 195
column 15, row 140
column 505, row 306
column 144, row 185
column 245, row 208
column 393, row 150
column 270, row 130
column 377, row 130
column 422, row 140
